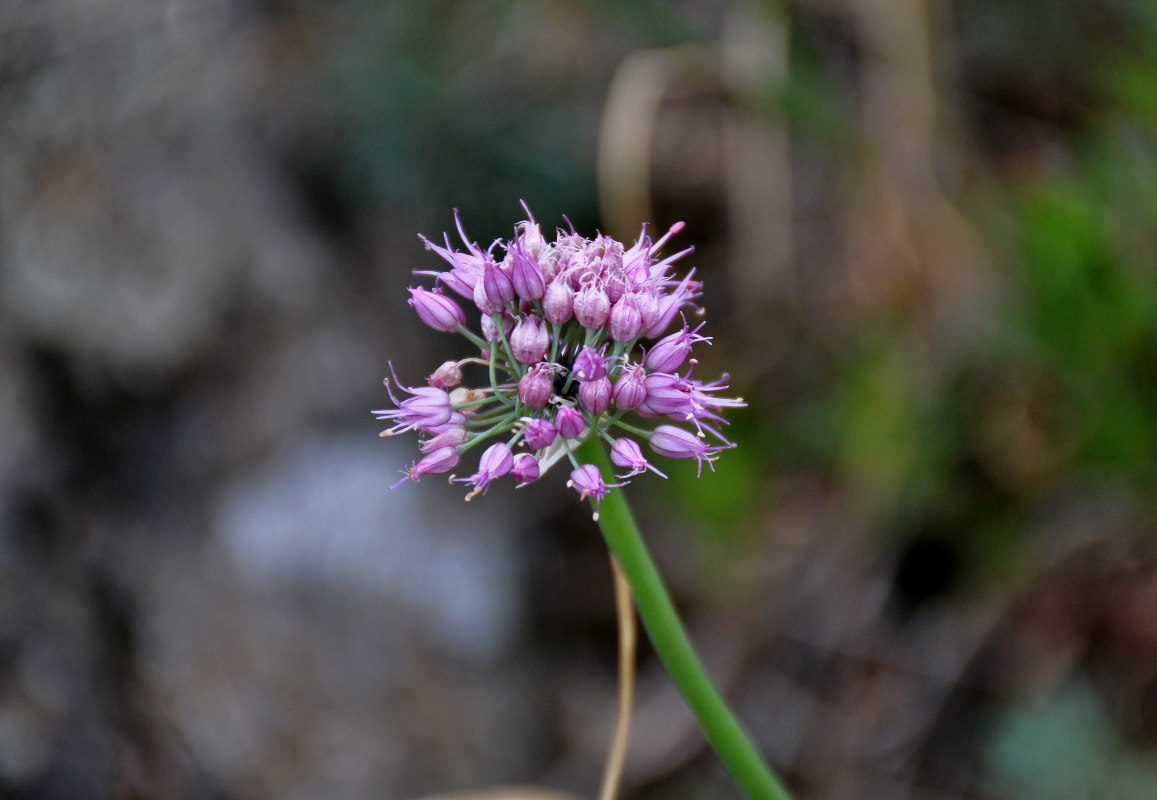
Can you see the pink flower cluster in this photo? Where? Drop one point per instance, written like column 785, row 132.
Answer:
column 573, row 334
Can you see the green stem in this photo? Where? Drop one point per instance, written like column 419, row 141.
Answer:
column 493, row 379
column 498, row 323
column 631, row 428
column 554, row 342
column 723, row 730
column 502, row 424
column 469, row 334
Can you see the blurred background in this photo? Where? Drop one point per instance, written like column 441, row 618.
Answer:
column 928, row 232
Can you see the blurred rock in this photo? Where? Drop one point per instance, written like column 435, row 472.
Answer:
column 319, row 517
column 138, row 204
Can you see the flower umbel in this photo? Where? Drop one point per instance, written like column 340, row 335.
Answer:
column 573, row 335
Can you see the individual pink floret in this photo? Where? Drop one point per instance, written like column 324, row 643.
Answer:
column 496, row 461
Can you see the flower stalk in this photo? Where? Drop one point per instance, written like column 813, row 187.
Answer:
column 726, row 735
column 628, row 639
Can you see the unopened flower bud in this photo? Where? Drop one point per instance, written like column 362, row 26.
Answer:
column 483, row 301
column 526, row 468
column 589, row 365
column 437, row 310
column 557, row 302
column 626, row 322
column 536, row 386
column 595, row 396
column 631, row 388
column 446, row 376
column 569, row 423
column 648, row 305
column 614, row 285
column 497, row 285
column 539, row 433
column 526, row 275
column 548, row 261
column 529, row 340
column 592, row 307
column 493, row 289
column 490, row 329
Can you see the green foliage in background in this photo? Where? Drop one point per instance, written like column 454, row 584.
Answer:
column 1089, row 313
column 444, row 104
column 476, row 104
column 1054, row 391
column 1066, row 749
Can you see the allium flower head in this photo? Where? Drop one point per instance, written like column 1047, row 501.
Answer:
column 572, row 335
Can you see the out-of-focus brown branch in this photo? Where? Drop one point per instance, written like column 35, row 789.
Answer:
column 626, row 139
column 906, row 245
column 757, row 159
column 628, row 638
